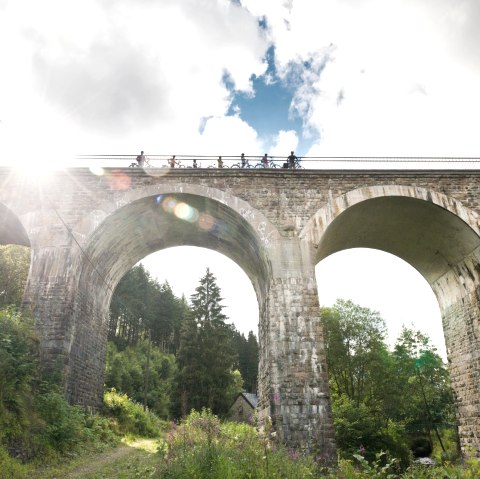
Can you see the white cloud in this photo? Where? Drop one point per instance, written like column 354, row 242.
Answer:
column 399, row 79
column 284, row 143
column 104, row 75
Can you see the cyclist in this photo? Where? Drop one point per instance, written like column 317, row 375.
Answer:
column 265, row 161
column 291, row 160
column 141, row 159
column 243, row 160
column 172, row 162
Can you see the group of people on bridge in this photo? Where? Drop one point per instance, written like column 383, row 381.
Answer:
column 292, row 162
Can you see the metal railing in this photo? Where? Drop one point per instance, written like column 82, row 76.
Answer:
column 275, row 162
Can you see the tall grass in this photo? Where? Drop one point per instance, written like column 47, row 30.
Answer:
column 202, row 447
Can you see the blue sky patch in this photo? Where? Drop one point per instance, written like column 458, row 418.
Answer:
column 268, row 111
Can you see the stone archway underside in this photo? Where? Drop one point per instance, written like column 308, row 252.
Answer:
column 426, row 236
column 11, row 230
column 445, row 249
column 134, row 231
column 163, row 221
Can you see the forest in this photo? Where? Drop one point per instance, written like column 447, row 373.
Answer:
column 178, row 359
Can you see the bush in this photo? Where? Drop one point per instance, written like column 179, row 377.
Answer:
column 11, row 468
column 131, row 417
column 65, row 425
column 125, row 371
column 18, row 378
column 203, row 447
column 35, row 419
column 358, row 429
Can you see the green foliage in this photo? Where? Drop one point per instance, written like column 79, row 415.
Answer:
column 236, row 386
column 426, row 383
column 357, row 429
column 18, row 376
column 382, row 400
column 130, row 416
column 206, row 357
column 246, row 350
column 35, row 419
column 14, row 265
column 144, row 373
column 203, row 447
column 141, row 308
column 11, row 468
column 67, row 427
column 354, row 342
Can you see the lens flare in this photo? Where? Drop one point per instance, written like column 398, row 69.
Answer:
column 206, row 222
column 169, row 204
column 119, row 181
column 186, row 212
column 97, row 170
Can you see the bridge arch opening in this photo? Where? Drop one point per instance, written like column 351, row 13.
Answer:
column 425, row 235
column 15, row 258
column 133, row 232
column 385, row 283
column 440, row 240
column 11, row 229
column 183, row 267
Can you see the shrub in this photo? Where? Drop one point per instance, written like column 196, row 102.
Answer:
column 10, row 468
column 18, row 377
column 65, row 426
column 203, row 447
column 358, row 428
column 131, row 416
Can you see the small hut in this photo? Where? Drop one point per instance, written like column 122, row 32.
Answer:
column 243, row 407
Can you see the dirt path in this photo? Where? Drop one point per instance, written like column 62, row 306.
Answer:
column 118, row 461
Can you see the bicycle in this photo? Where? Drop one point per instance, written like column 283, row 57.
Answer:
column 296, row 165
column 174, row 163
column 239, row 165
column 269, row 164
column 146, row 164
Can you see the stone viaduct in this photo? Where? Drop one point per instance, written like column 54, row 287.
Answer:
column 87, row 230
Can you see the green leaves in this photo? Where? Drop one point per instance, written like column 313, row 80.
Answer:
column 14, row 265
column 382, row 398
column 206, row 357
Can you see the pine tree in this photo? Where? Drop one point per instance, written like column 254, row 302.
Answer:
column 250, row 374
column 205, row 358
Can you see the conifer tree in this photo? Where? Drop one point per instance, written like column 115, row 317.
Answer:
column 205, row 358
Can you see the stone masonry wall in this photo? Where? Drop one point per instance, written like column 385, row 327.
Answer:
column 61, row 215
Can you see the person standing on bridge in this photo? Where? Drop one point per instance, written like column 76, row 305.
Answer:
column 141, row 159
column 172, row 162
column 220, row 162
column 195, row 163
column 291, row 160
column 243, row 160
column 265, row 161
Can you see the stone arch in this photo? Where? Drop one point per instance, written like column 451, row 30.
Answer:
column 12, row 230
column 143, row 224
column 325, row 215
column 439, row 237
column 427, row 229
column 267, row 233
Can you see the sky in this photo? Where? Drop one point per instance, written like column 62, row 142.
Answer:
column 222, row 77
